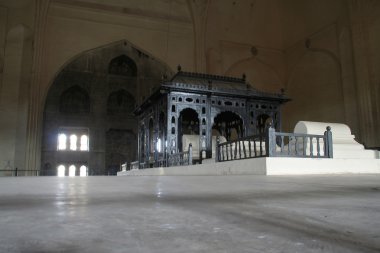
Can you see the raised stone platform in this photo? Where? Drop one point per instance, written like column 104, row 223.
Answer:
column 349, row 157
column 268, row 166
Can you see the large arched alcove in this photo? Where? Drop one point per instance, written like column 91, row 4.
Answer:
column 98, row 91
column 122, row 65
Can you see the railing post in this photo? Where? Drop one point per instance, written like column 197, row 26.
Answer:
column 190, row 154
column 329, row 142
column 217, row 149
column 269, row 141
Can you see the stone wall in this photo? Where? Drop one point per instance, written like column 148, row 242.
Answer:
column 324, row 53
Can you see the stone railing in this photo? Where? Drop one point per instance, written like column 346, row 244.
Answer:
column 181, row 158
column 134, row 165
column 276, row 144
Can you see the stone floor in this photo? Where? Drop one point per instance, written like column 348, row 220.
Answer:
column 191, row 214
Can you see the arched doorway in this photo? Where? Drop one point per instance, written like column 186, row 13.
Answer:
column 188, row 124
column 228, row 124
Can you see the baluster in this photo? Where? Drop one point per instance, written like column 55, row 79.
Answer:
column 282, row 144
column 254, row 148
column 245, row 155
column 296, row 146
column 239, row 149
column 304, row 146
column 249, row 148
column 232, row 150
column 261, row 146
column 236, row 149
column 311, row 146
column 318, row 148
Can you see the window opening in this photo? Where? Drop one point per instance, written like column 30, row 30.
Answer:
column 84, row 143
column 83, row 171
column 73, row 142
column 72, row 171
column 62, row 138
column 61, row 171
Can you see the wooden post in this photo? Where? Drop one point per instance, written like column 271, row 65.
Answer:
column 329, row 142
column 217, row 149
column 190, row 154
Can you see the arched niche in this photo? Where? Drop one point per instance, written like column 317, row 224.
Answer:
column 120, row 102
column 74, row 100
column 262, row 122
column 228, row 124
column 123, row 66
column 188, row 123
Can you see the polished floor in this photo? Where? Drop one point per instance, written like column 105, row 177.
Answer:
column 233, row 214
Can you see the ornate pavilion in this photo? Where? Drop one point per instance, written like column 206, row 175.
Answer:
column 202, row 106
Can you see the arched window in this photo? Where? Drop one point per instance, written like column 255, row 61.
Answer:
column 84, row 143
column 62, row 138
column 83, row 171
column 72, row 170
column 61, row 171
column 73, row 142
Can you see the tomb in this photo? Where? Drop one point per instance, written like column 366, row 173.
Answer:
column 345, row 145
column 302, row 156
column 195, row 108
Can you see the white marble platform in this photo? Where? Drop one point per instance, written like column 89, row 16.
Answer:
column 268, row 166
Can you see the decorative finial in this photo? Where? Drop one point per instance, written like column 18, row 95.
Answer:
column 328, row 128
column 282, row 91
column 179, row 68
column 244, row 76
column 307, row 43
